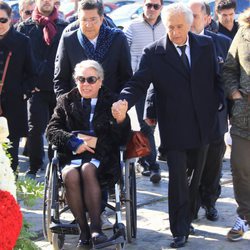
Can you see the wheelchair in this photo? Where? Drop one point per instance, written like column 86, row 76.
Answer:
column 55, row 224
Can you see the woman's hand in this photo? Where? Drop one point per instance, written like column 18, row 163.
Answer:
column 119, row 110
column 84, row 147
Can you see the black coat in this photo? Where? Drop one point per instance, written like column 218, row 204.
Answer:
column 222, row 44
column 116, row 64
column 44, row 54
column 186, row 102
column 69, row 116
column 19, row 81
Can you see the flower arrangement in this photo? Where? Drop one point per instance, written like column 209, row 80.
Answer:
column 10, row 214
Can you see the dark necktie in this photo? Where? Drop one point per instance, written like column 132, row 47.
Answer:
column 184, row 56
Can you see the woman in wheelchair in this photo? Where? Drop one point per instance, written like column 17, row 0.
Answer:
column 98, row 134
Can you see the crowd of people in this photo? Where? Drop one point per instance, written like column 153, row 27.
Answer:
column 182, row 70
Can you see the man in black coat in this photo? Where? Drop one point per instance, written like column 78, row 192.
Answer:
column 44, row 29
column 210, row 182
column 92, row 40
column 187, row 100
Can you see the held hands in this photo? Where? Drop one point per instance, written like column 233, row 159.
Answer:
column 119, row 110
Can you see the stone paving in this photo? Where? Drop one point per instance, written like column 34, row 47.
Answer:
column 153, row 224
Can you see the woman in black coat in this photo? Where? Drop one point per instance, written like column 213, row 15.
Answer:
column 87, row 109
column 17, row 60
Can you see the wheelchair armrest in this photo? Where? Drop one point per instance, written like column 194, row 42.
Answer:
column 54, row 147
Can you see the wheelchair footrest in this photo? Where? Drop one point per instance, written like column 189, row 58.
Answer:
column 60, row 228
column 111, row 241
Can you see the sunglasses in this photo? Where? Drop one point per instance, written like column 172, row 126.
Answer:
column 28, row 12
column 4, row 20
column 150, row 5
column 90, row 79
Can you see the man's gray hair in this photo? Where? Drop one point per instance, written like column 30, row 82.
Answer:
column 179, row 8
column 86, row 64
column 21, row 3
column 200, row 2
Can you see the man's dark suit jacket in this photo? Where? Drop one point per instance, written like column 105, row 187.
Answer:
column 186, row 102
column 222, row 44
column 116, row 64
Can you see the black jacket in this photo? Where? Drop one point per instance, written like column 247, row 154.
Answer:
column 186, row 102
column 116, row 64
column 69, row 116
column 19, row 81
column 44, row 54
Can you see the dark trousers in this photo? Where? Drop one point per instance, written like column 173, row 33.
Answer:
column 150, row 160
column 182, row 193
column 210, row 188
column 13, row 151
column 41, row 106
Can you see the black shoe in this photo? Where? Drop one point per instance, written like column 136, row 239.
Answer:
column 83, row 245
column 211, row 213
column 161, row 157
column 155, row 176
column 146, row 171
column 99, row 239
column 191, row 230
column 179, row 241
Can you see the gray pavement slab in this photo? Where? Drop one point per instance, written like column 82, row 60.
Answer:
column 153, row 224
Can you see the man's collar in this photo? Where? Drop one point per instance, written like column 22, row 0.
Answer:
column 157, row 20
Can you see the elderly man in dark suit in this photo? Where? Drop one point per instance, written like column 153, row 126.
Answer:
column 183, row 69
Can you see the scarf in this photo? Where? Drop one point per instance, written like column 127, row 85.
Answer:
column 49, row 30
column 104, row 41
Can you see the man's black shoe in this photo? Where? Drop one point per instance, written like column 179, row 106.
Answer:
column 179, row 241
column 146, row 172
column 161, row 157
column 191, row 230
column 211, row 213
column 155, row 176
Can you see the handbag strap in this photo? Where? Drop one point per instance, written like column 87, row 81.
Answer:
column 5, row 71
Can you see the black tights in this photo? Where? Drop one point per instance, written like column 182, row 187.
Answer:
column 84, row 194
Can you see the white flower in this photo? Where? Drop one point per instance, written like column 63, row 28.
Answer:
column 7, row 177
column 4, row 131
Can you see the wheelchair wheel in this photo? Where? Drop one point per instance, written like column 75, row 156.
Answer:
column 58, row 241
column 47, row 204
column 131, row 212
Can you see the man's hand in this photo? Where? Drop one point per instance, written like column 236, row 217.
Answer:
column 35, row 90
column 236, row 95
column 119, row 110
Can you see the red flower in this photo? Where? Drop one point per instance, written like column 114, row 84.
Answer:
column 10, row 221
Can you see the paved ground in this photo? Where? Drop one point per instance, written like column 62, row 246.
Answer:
column 153, row 224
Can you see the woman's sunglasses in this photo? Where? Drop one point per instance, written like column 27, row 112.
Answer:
column 90, row 79
column 4, row 20
column 156, row 6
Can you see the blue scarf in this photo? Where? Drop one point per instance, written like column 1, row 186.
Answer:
column 104, row 41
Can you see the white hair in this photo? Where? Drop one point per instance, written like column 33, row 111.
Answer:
column 179, row 8
column 86, row 64
column 25, row 2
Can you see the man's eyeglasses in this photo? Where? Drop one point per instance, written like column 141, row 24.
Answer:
column 4, row 20
column 90, row 79
column 28, row 12
column 150, row 5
